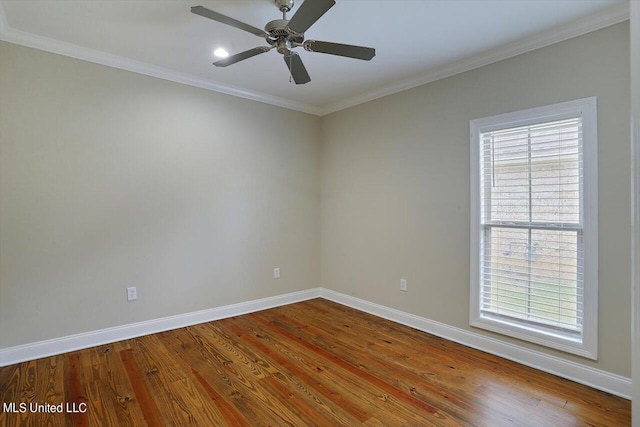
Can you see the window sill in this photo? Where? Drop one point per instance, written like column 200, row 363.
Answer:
column 549, row 339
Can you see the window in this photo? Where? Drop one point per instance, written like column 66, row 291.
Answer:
column 534, row 259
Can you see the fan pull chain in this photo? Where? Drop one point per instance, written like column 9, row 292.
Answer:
column 290, row 71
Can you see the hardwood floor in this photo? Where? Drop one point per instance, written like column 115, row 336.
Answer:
column 311, row 363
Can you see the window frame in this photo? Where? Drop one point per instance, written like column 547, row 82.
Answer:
column 587, row 344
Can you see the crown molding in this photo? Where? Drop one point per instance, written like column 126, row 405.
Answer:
column 35, row 41
column 613, row 15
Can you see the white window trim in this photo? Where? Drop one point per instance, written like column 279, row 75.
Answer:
column 587, row 346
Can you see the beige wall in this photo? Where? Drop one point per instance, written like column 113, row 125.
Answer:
column 110, row 179
column 395, row 184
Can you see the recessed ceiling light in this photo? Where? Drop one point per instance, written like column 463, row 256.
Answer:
column 221, row 53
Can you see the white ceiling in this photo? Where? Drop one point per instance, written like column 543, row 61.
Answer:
column 416, row 40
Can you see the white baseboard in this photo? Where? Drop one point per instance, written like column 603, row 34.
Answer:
column 601, row 380
column 37, row 350
column 596, row 378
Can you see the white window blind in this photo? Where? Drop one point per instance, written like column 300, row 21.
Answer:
column 534, row 225
column 531, row 251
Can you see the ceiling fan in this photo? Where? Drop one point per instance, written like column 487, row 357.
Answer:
column 285, row 35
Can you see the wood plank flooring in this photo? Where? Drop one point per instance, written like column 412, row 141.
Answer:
column 313, row 363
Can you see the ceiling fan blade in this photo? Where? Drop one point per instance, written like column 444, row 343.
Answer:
column 207, row 13
column 297, row 68
column 308, row 13
column 242, row 56
column 350, row 51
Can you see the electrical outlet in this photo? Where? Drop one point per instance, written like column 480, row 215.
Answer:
column 132, row 293
column 403, row 285
column 276, row 273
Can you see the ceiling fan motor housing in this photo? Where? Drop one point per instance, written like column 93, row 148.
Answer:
column 278, row 31
column 277, row 28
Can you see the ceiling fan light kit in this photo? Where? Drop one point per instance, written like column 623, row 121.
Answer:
column 284, row 35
